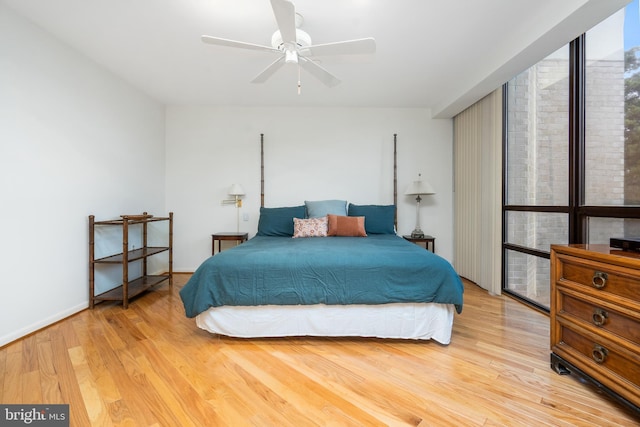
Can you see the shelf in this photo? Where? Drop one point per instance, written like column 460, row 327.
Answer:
column 131, row 221
column 129, row 288
column 132, row 255
column 136, row 287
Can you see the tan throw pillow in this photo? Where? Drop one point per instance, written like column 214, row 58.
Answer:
column 352, row 226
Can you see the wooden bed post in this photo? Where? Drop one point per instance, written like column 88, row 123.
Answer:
column 262, row 170
column 395, row 179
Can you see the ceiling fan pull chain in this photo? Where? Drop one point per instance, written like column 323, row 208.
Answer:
column 298, row 79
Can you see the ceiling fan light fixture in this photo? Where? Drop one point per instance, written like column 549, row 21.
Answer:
column 290, row 56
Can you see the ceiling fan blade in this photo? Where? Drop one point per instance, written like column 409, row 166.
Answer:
column 347, row 47
column 285, row 13
column 269, row 71
column 233, row 43
column 318, row 72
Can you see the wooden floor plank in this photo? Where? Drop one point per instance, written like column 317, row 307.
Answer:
column 49, row 383
column 97, row 411
column 67, row 380
column 100, row 375
column 12, row 384
column 29, row 354
column 151, row 366
column 167, row 380
column 31, row 387
column 128, row 407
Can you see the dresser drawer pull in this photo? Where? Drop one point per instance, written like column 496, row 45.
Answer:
column 599, row 353
column 599, row 317
column 599, row 279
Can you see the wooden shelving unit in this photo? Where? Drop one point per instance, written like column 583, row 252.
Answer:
column 129, row 288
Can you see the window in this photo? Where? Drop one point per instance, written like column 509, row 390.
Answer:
column 538, row 128
column 537, row 173
column 609, row 168
column 611, row 203
column 572, row 144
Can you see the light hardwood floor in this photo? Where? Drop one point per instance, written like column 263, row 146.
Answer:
column 151, row 366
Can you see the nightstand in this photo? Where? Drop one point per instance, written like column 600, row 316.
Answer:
column 426, row 240
column 227, row 235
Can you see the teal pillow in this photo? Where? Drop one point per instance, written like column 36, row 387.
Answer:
column 278, row 221
column 378, row 219
column 320, row 208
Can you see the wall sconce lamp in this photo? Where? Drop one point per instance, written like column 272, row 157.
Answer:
column 236, row 191
column 418, row 188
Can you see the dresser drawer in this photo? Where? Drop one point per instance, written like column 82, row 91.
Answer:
column 602, row 317
column 595, row 318
column 602, row 278
column 614, row 367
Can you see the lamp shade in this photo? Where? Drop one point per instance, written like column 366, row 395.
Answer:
column 419, row 187
column 236, row 190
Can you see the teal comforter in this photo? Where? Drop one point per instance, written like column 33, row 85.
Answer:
column 377, row 269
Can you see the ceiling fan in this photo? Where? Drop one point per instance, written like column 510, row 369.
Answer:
column 293, row 46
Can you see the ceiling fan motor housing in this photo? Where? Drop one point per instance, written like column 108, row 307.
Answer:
column 303, row 40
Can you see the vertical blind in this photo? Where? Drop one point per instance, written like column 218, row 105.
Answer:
column 478, row 192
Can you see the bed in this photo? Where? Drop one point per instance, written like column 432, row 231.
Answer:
column 326, row 268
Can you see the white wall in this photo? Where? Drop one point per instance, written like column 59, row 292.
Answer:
column 310, row 153
column 74, row 141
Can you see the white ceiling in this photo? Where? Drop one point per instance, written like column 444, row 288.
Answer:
column 438, row 54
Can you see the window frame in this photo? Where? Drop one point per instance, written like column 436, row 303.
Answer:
column 578, row 213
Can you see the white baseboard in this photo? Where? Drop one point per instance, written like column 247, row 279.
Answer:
column 20, row 333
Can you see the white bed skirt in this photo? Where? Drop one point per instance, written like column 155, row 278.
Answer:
column 420, row 321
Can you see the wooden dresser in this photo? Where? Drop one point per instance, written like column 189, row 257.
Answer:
column 595, row 317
